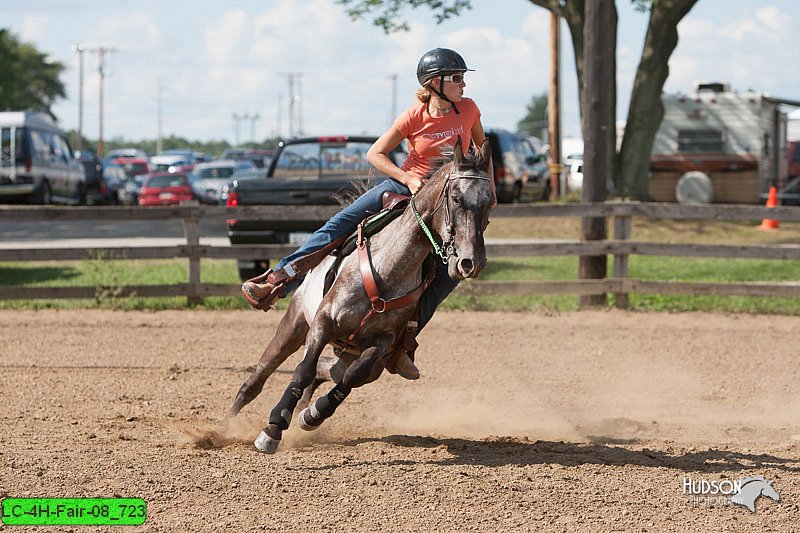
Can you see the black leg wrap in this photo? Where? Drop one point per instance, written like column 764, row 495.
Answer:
column 281, row 415
column 326, row 405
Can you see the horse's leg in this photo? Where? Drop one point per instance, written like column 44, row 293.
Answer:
column 291, row 334
column 281, row 415
column 365, row 369
column 323, row 376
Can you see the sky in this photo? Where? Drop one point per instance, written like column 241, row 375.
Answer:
column 213, row 60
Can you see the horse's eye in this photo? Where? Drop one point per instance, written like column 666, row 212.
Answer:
column 456, row 200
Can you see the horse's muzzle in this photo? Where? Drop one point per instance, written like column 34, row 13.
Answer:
column 466, row 268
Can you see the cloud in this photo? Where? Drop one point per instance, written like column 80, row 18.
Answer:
column 34, row 27
column 743, row 52
column 226, row 39
column 766, row 23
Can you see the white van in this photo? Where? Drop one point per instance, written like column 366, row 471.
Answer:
column 36, row 162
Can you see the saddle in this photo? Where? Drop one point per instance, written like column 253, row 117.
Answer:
column 392, row 204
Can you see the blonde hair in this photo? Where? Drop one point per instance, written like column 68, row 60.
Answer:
column 424, row 94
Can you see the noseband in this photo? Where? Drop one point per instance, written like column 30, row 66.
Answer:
column 448, row 240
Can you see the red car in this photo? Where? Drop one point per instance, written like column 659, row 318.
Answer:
column 165, row 188
column 134, row 166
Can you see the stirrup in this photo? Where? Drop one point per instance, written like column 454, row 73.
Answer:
column 266, row 302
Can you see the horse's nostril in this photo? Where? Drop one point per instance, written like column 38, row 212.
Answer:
column 466, row 266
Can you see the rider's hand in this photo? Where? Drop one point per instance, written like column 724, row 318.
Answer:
column 415, row 183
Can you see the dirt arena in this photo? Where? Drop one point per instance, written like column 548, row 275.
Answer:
column 521, row 422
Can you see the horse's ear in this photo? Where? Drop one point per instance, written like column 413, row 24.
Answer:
column 486, row 154
column 458, row 153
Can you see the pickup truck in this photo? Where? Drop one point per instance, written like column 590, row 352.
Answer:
column 304, row 171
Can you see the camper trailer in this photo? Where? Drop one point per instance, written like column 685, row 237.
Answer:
column 717, row 145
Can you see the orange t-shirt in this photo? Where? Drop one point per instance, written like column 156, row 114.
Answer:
column 427, row 135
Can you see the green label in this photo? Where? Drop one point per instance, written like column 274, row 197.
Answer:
column 74, row 511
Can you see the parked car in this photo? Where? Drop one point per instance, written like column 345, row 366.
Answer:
column 519, row 172
column 201, row 157
column 165, row 188
column 305, row 171
column 93, row 173
column 128, row 194
column 127, row 153
column 114, row 179
column 208, row 179
column 261, row 158
column 36, row 161
column 171, row 163
column 134, row 166
column 233, row 183
column 575, row 174
column 188, row 155
column 572, row 156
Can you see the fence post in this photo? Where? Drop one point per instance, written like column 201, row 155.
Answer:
column 191, row 229
column 622, row 232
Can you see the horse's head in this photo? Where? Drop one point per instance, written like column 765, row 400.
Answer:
column 462, row 210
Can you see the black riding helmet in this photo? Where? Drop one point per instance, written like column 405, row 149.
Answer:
column 440, row 62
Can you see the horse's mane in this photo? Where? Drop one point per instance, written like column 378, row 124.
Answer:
column 473, row 160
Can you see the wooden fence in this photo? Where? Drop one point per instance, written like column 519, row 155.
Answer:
column 620, row 246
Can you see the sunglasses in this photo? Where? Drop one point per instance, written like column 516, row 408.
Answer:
column 454, row 78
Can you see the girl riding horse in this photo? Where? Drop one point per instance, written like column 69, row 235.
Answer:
column 440, row 115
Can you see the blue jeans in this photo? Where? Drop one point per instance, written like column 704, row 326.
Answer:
column 346, row 222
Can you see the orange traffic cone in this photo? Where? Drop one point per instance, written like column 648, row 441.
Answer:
column 772, row 201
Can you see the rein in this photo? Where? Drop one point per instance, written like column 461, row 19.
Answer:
column 444, row 199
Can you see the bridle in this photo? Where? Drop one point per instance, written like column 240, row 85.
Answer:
column 448, row 248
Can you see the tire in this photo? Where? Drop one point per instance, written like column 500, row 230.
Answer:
column 80, row 194
column 516, row 194
column 44, row 196
column 694, row 187
column 546, row 192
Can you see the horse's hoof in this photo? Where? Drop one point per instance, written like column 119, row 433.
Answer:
column 306, row 423
column 265, row 443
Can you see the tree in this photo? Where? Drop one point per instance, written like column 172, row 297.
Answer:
column 29, row 80
column 630, row 165
column 535, row 121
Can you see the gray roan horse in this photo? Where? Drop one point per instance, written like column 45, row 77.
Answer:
column 455, row 205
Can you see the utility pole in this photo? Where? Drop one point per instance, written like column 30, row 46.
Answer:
column 159, row 137
column 553, row 104
column 236, row 120
column 295, row 99
column 101, row 54
column 253, row 119
column 290, row 79
column 597, row 53
column 393, row 111
column 80, row 48
column 278, row 125
column 300, row 128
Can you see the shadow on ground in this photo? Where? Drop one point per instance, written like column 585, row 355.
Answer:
column 503, row 451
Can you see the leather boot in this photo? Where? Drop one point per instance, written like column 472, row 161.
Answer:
column 400, row 363
column 262, row 295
